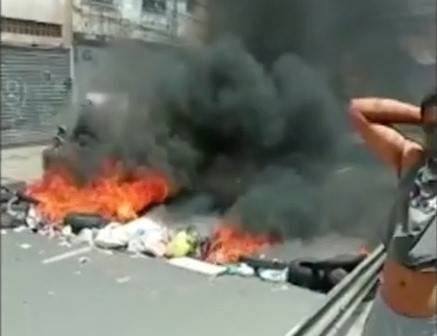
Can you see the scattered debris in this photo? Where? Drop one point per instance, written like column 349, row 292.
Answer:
column 16, row 209
column 67, row 255
column 280, row 288
column 112, row 236
column 83, row 260
column 49, row 232
column 241, row 269
column 318, row 275
column 152, row 242
column 67, row 231
column 15, row 206
column 20, row 229
column 33, row 219
column 198, row 266
column 263, row 263
column 64, row 243
column 185, row 248
column 5, row 194
column 273, row 275
column 123, row 279
column 343, row 170
column 8, row 222
column 143, row 233
column 183, row 244
column 322, row 275
column 66, row 236
column 85, row 236
column 268, row 270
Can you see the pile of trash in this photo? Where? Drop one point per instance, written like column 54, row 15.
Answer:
column 17, row 208
column 140, row 236
column 182, row 246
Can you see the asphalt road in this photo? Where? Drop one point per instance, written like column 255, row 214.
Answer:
column 118, row 295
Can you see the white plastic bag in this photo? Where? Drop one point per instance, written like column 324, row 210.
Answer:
column 135, row 235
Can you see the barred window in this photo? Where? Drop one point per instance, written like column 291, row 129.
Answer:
column 155, row 6
column 28, row 27
column 103, row 4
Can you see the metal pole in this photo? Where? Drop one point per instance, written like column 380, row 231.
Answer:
column 67, row 27
column 342, row 299
column 174, row 20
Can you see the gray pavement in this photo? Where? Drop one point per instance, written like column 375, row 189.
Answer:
column 21, row 163
column 118, row 295
column 70, row 298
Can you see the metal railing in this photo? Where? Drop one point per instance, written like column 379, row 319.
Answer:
column 343, row 300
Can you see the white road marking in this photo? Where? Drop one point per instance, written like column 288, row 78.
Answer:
column 343, row 170
column 123, row 279
column 67, row 255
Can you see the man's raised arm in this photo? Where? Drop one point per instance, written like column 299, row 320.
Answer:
column 373, row 119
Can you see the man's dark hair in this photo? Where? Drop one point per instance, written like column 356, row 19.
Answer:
column 429, row 101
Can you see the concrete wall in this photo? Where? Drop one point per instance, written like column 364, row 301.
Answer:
column 50, row 11
column 30, row 40
column 46, row 11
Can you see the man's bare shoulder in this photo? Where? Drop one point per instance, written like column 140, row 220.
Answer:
column 412, row 153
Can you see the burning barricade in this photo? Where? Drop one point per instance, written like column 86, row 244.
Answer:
column 111, row 212
column 112, row 195
column 114, row 209
column 114, row 205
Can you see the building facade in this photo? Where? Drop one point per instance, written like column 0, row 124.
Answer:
column 51, row 47
column 35, row 68
column 151, row 23
column 161, row 21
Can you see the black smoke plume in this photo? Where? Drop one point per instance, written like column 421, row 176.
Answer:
column 254, row 120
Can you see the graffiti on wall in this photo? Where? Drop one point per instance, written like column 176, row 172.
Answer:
column 18, row 97
column 14, row 95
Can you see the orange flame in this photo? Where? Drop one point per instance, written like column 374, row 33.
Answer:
column 112, row 195
column 229, row 244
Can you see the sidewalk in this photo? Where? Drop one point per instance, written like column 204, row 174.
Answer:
column 21, row 164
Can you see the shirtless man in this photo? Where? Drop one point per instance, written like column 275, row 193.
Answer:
column 407, row 301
